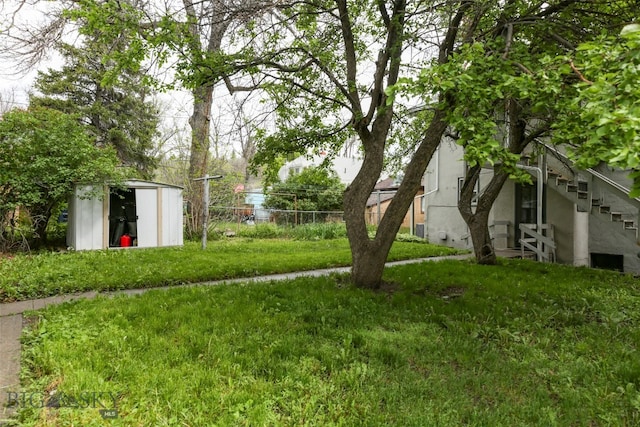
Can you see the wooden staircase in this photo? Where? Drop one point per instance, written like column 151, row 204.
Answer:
column 577, row 190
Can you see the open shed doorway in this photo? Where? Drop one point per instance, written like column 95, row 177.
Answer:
column 122, row 216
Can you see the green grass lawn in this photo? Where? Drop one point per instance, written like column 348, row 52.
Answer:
column 33, row 276
column 453, row 343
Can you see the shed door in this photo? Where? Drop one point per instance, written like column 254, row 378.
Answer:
column 147, row 212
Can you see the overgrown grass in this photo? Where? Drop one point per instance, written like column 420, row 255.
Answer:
column 45, row 274
column 522, row 344
column 311, row 231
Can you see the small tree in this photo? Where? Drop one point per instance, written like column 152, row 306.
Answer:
column 43, row 153
column 313, row 189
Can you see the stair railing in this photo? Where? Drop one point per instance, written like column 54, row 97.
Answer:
column 618, row 188
column 614, row 186
column 540, row 242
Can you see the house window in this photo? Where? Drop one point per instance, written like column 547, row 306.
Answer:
column 476, row 191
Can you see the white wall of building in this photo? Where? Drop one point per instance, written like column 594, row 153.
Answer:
column 345, row 167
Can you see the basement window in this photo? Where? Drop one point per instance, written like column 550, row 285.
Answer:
column 607, row 261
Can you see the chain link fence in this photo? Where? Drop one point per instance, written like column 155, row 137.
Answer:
column 250, row 215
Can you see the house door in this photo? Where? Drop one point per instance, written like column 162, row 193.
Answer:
column 526, row 207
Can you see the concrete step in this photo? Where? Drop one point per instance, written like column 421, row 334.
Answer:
column 579, row 186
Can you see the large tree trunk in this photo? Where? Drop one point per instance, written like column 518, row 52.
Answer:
column 199, row 159
column 478, row 219
column 216, row 24
column 370, row 255
column 482, row 245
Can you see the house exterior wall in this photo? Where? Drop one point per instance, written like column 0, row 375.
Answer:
column 371, row 213
column 606, row 237
column 560, row 214
column 580, row 229
column 345, row 167
column 372, row 217
column 443, row 222
column 418, row 212
column 610, row 237
column 503, row 231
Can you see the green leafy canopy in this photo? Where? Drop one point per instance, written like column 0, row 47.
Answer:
column 602, row 124
column 313, row 189
column 43, row 153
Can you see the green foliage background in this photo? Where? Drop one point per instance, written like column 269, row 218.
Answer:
column 43, row 153
column 313, row 189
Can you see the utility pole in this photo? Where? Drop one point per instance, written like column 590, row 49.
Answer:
column 205, row 208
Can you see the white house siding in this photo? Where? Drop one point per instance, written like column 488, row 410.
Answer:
column 443, row 222
column 559, row 212
column 609, row 237
column 344, row 166
column 503, row 217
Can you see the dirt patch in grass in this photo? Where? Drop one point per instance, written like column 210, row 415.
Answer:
column 388, row 287
column 451, row 292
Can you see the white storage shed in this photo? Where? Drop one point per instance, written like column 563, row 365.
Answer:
column 149, row 213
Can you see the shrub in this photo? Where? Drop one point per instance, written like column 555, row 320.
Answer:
column 262, row 231
column 323, row 231
column 405, row 237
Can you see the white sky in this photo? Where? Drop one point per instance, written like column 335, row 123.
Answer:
column 177, row 105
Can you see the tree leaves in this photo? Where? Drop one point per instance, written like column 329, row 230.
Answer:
column 602, row 124
column 313, row 189
column 43, row 153
column 478, row 84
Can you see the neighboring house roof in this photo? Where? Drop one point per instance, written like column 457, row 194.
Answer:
column 387, row 189
column 383, row 191
column 374, row 198
column 387, row 184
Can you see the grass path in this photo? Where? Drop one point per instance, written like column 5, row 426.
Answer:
column 48, row 274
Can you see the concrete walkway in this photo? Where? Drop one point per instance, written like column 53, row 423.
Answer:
column 11, row 321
